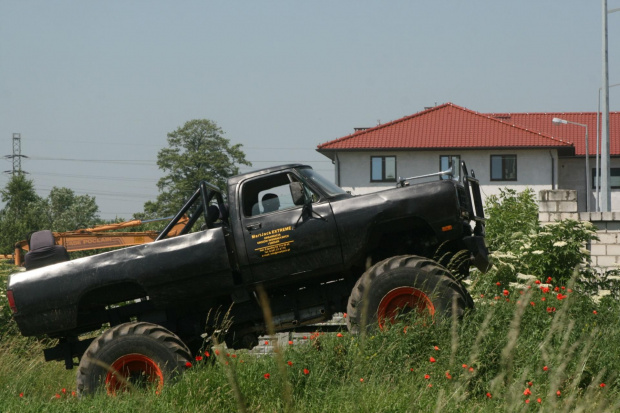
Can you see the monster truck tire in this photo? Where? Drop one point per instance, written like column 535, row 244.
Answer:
column 134, row 353
column 391, row 285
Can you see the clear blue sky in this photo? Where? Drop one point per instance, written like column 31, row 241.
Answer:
column 94, row 86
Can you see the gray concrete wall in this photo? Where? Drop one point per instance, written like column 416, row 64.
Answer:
column 562, row 204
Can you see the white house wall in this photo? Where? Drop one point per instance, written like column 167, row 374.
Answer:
column 534, row 169
column 572, row 176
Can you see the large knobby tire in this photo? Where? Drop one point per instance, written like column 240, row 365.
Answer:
column 400, row 284
column 135, row 354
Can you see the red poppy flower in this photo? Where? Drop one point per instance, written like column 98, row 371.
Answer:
column 361, row 380
column 602, row 385
column 527, row 392
column 73, row 394
column 306, row 372
column 266, row 375
column 530, row 384
column 188, row 364
column 217, row 352
column 544, row 289
column 471, row 369
column 489, row 395
column 436, row 348
column 64, row 391
column 345, row 315
column 448, row 375
column 551, row 310
column 556, row 289
column 594, row 312
column 464, row 366
column 21, row 394
column 432, row 359
column 198, row 358
column 305, row 337
column 543, row 299
column 427, row 376
column 57, row 396
column 498, row 283
column 207, row 354
column 266, row 342
column 527, row 401
column 561, row 296
column 537, row 281
column 339, row 335
column 234, row 356
column 545, row 368
column 290, row 342
column 532, row 303
column 290, row 363
column 539, row 400
column 559, row 393
column 506, row 293
column 549, row 279
column 569, row 290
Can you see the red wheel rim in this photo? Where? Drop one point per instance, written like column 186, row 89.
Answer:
column 399, row 300
column 133, row 368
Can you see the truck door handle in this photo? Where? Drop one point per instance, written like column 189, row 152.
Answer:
column 254, row 226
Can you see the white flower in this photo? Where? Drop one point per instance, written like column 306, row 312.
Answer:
column 613, row 278
column 584, row 251
column 559, row 244
column 538, row 252
column 525, row 277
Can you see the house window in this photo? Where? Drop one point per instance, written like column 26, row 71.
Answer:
column 614, row 177
column 503, row 167
column 382, row 169
column 446, row 162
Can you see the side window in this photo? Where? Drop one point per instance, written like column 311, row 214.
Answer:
column 382, row 169
column 269, row 194
column 446, row 162
column 614, row 178
column 503, row 167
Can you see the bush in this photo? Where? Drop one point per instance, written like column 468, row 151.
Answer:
column 521, row 245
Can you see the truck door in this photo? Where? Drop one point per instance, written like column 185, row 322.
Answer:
column 283, row 239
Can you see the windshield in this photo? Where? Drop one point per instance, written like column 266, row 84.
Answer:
column 328, row 187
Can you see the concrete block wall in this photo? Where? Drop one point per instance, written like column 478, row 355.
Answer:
column 267, row 343
column 561, row 204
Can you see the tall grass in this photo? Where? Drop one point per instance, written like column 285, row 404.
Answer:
column 518, row 345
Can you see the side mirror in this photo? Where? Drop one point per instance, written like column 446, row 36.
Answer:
column 297, row 193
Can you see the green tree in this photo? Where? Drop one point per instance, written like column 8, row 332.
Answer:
column 196, row 151
column 22, row 212
column 25, row 212
column 67, row 211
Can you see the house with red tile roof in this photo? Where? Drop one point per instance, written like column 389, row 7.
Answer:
column 516, row 150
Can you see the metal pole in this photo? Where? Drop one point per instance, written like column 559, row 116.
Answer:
column 598, row 140
column 588, row 180
column 605, row 184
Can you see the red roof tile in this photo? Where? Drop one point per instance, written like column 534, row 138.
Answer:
column 447, row 126
column 572, row 133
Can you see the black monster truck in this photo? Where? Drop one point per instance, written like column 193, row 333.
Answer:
column 308, row 246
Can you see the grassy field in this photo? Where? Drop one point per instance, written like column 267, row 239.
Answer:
column 521, row 349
